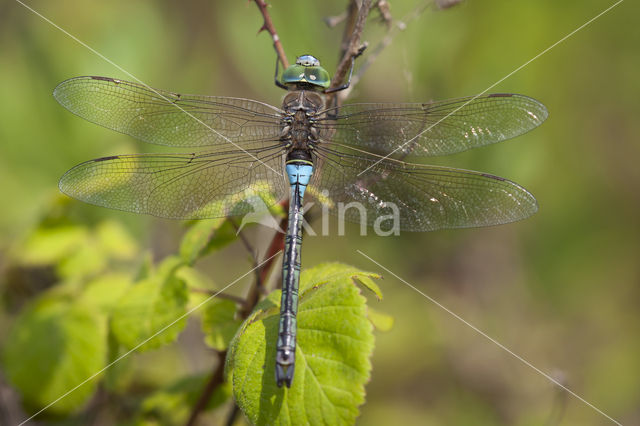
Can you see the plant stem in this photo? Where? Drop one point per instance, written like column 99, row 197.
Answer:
column 216, row 379
column 232, row 415
column 268, row 26
column 277, row 244
column 250, row 249
column 350, row 47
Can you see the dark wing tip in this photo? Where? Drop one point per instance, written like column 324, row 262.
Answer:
column 112, row 157
column 490, row 176
column 96, row 77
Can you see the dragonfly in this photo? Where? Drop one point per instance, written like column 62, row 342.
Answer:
column 253, row 155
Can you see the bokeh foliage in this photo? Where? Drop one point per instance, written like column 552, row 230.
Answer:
column 560, row 289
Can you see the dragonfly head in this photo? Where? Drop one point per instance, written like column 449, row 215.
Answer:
column 306, row 73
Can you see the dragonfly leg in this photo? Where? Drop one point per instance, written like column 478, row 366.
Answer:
column 348, row 83
column 278, row 83
column 333, row 115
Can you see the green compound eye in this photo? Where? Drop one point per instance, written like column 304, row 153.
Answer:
column 307, row 69
column 318, row 76
column 293, row 74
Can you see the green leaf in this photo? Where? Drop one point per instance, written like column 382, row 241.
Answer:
column 151, row 309
column 335, row 341
column 77, row 251
column 380, row 321
column 104, row 292
column 146, row 267
column 109, row 241
column 337, row 271
column 115, row 242
column 205, row 236
column 119, row 376
column 218, row 315
column 198, row 285
column 87, row 261
column 46, row 246
column 218, row 323
column 173, row 404
column 224, row 235
column 54, row 346
column 194, row 278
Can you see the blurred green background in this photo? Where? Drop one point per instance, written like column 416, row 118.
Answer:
column 561, row 289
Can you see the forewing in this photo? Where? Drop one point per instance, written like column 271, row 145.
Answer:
column 167, row 118
column 432, row 129
column 176, row 186
column 422, row 198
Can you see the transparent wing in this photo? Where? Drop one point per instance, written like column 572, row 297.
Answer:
column 167, row 118
column 181, row 186
column 436, row 128
column 423, row 198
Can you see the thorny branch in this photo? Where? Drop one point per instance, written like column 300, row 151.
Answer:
column 268, row 26
column 357, row 13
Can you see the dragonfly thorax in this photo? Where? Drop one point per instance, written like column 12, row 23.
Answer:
column 299, row 130
column 305, row 100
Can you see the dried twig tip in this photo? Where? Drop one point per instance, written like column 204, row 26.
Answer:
column 385, row 12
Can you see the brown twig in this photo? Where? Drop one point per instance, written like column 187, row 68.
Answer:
column 385, row 12
column 268, row 26
column 350, row 47
column 349, row 25
column 216, row 379
column 277, row 244
column 250, row 249
column 232, row 415
column 332, row 21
